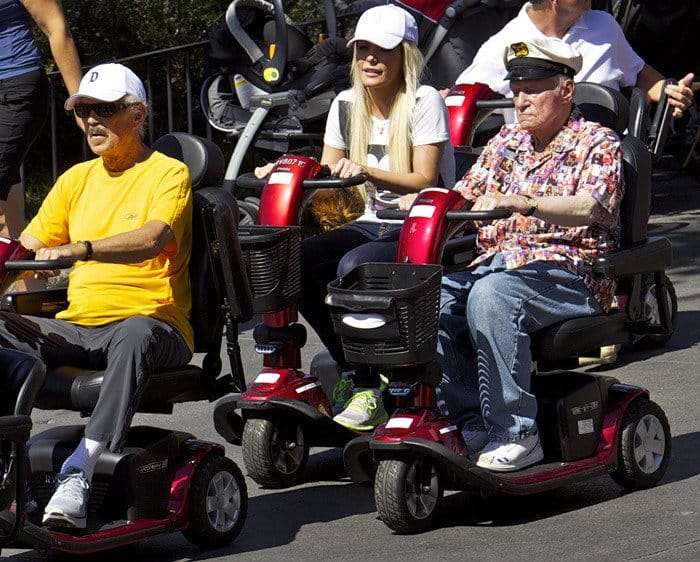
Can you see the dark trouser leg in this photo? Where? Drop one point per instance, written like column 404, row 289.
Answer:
column 320, row 256
column 135, row 348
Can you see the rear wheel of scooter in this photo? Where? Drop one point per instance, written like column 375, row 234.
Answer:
column 218, row 503
column 407, row 493
column 652, row 315
column 644, row 448
column 274, row 454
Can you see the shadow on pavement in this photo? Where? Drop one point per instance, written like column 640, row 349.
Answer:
column 471, row 509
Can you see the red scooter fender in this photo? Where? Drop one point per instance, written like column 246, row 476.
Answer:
column 283, row 193
column 462, row 110
column 425, row 227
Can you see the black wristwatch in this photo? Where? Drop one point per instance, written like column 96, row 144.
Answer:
column 533, row 206
column 88, row 249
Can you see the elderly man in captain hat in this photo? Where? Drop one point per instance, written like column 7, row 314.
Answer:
column 561, row 177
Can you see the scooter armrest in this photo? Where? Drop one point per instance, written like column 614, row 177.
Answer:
column 654, row 254
column 15, row 428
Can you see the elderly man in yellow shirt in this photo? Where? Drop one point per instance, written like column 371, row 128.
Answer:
column 125, row 216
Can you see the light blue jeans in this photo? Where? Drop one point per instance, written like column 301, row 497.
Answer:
column 486, row 317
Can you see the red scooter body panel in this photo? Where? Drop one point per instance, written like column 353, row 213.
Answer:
column 290, row 384
column 283, row 193
column 137, row 530
column 422, row 424
column 461, row 107
column 10, row 249
column 425, row 228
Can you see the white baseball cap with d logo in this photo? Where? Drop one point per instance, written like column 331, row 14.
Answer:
column 108, row 82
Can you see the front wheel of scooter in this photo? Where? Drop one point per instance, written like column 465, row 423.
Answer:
column 275, row 454
column 644, row 447
column 218, row 503
column 408, row 493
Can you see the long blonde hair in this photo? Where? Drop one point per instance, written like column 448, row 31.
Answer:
column 399, row 145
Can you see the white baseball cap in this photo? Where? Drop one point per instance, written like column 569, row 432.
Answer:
column 108, row 82
column 386, row 26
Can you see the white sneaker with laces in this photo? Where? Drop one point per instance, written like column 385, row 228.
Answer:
column 515, row 455
column 68, row 505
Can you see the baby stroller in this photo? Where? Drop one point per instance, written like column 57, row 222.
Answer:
column 274, row 86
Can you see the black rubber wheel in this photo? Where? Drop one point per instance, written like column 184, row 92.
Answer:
column 275, row 454
column 218, row 503
column 408, row 493
column 644, row 447
column 651, row 312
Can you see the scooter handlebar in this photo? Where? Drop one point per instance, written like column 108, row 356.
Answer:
column 35, row 265
column 501, row 103
column 494, row 214
column 250, row 181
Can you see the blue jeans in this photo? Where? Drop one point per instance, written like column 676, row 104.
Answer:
column 486, row 317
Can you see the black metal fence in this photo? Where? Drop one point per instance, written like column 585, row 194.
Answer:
column 172, row 78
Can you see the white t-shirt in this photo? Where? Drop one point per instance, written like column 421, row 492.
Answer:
column 430, row 126
column 608, row 58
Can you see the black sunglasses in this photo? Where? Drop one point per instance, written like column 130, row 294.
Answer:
column 104, row 109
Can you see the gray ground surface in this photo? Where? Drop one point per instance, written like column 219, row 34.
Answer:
column 328, row 517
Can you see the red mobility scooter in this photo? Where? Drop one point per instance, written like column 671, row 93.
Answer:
column 589, row 424
column 163, row 480
column 283, row 411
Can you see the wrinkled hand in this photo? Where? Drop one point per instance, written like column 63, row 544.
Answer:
column 489, row 202
column 263, row 171
column 681, row 95
column 346, row 168
column 74, row 251
column 405, row 201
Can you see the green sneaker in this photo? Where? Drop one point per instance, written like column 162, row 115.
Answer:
column 342, row 392
column 364, row 411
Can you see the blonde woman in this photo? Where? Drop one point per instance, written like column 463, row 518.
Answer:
column 392, row 129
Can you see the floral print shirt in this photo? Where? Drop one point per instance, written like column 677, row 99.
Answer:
column 584, row 158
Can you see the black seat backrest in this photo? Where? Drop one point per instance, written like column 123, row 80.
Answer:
column 634, row 213
column 207, row 164
column 603, row 105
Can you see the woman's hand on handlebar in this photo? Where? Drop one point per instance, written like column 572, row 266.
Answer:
column 346, row 168
column 263, row 171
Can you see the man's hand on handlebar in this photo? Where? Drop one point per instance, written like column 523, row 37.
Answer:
column 488, row 202
column 405, row 201
column 680, row 96
column 74, row 251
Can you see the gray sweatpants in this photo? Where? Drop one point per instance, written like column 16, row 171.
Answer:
column 128, row 351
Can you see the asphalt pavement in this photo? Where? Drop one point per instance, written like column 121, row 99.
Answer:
column 329, row 517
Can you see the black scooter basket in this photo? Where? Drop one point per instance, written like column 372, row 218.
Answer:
column 387, row 313
column 271, row 257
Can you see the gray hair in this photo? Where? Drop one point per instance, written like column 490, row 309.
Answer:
column 131, row 99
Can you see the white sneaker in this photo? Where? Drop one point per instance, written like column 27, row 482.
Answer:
column 475, row 440
column 68, row 505
column 515, row 455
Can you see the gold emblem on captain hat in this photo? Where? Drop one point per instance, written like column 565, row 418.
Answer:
column 520, row 49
